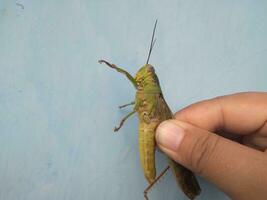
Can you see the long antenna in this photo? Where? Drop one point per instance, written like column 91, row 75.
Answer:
column 152, row 42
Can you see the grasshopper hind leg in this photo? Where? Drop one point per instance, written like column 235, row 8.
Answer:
column 155, row 180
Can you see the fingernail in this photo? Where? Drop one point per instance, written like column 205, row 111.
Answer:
column 169, row 135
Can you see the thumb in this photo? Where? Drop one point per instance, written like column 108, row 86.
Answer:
column 236, row 169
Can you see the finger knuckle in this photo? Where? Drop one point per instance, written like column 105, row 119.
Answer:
column 202, row 152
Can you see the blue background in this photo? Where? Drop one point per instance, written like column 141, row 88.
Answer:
column 58, row 106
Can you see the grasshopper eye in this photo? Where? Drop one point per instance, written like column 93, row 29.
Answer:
column 139, row 83
column 150, row 69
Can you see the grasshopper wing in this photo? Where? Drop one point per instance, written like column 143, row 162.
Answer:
column 184, row 177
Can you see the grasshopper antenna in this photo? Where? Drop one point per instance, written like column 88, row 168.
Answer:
column 152, row 42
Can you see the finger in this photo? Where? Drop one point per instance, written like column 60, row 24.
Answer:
column 236, row 169
column 258, row 140
column 241, row 113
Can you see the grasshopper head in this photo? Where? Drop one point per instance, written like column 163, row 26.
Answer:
column 147, row 79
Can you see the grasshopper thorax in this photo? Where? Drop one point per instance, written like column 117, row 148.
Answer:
column 147, row 80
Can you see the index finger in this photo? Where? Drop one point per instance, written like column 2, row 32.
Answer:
column 240, row 113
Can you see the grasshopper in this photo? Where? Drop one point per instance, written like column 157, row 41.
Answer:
column 152, row 109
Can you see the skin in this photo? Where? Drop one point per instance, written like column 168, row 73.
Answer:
column 223, row 140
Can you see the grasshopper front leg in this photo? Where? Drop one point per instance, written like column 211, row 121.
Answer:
column 123, row 120
column 128, row 75
column 128, row 104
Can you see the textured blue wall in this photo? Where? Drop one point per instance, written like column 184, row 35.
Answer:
column 58, row 106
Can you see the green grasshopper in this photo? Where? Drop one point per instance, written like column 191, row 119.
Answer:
column 152, row 109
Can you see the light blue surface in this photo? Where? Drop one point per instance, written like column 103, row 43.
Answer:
column 58, row 106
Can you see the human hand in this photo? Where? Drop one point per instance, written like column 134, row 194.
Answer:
column 234, row 159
